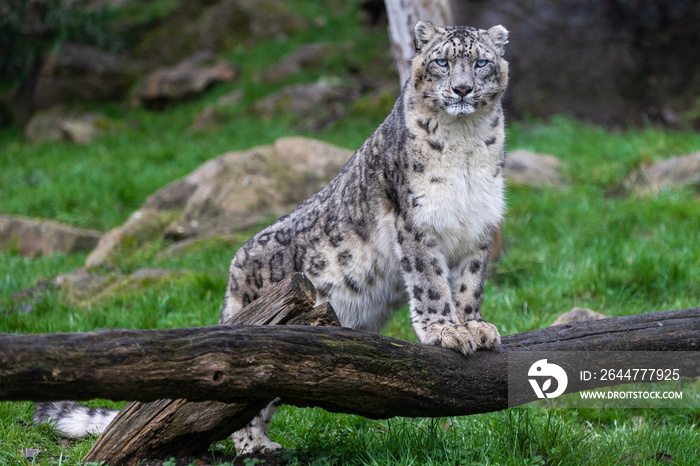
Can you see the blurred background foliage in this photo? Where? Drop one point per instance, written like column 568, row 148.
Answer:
column 609, row 87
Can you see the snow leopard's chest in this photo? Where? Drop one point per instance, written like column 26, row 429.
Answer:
column 460, row 198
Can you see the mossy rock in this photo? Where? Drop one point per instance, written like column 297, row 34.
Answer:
column 144, row 227
column 217, row 27
column 84, row 289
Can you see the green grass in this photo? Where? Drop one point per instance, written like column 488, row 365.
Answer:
column 585, row 246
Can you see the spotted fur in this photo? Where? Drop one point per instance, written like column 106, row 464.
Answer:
column 73, row 420
column 411, row 215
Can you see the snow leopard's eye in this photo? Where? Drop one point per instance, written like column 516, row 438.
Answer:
column 441, row 62
column 481, row 63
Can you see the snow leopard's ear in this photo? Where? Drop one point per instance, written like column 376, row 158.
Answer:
column 499, row 38
column 424, row 32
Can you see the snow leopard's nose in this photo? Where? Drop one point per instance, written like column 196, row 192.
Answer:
column 462, row 90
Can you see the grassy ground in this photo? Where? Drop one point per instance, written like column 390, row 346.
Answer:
column 585, row 246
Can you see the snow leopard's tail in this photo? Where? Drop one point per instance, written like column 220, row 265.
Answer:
column 73, row 420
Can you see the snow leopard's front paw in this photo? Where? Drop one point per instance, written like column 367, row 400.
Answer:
column 451, row 336
column 485, row 334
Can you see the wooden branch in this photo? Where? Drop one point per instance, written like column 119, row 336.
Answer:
column 338, row 369
column 165, row 428
column 321, row 315
column 290, row 298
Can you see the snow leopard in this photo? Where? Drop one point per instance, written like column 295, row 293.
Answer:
column 409, row 219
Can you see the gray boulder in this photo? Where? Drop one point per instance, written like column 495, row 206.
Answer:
column 313, row 106
column 215, row 115
column 30, row 237
column 84, row 72
column 240, row 189
column 216, row 26
column 307, row 55
column 234, row 191
column 83, row 288
column 579, row 314
column 536, row 170
column 141, row 227
column 55, row 125
column 669, row 173
column 190, row 77
column 603, row 61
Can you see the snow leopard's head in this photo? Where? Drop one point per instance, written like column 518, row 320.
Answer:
column 459, row 69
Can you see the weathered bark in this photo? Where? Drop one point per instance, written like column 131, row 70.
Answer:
column 165, row 428
column 321, row 315
column 403, row 16
column 338, row 369
column 290, row 298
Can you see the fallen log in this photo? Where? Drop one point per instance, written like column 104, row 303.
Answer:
column 339, row 369
column 165, row 428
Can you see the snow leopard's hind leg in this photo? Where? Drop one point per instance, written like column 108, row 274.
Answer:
column 253, row 437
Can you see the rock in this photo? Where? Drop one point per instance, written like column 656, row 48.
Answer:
column 234, row 191
column 186, row 79
column 82, row 288
column 217, row 26
column 214, row 116
column 313, row 105
column 232, row 98
column 23, row 301
column 321, row 159
column 55, row 125
column 31, row 453
column 669, row 173
column 579, row 314
column 536, row 170
column 194, row 245
column 209, row 118
column 80, row 285
column 637, row 63
column 84, row 72
column 307, row 55
column 30, row 237
column 142, row 226
column 241, row 189
column 250, row 20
